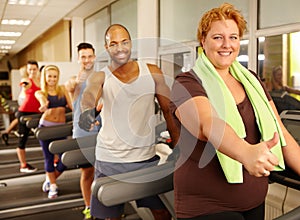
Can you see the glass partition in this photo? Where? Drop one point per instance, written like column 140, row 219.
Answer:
column 125, row 12
column 281, row 50
column 274, row 13
column 179, row 19
column 95, row 27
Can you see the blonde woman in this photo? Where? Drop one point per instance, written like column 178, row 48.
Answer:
column 53, row 99
column 283, row 95
column 277, row 82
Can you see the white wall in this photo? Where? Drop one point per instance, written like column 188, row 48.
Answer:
column 67, row 69
column 15, row 80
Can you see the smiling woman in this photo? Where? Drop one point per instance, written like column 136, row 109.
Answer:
column 216, row 106
column 53, row 102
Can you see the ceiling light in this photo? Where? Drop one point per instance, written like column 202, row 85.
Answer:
column 28, row 2
column 10, row 34
column 5, row 47
column 3, row 51
column 15, row 22
column 7, row 41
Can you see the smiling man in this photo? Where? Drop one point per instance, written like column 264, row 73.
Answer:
column 75, row 85
column 126, row 140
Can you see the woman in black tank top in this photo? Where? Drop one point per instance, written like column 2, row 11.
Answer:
column 53, row 100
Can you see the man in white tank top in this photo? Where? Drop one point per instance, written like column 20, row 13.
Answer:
column 126, row 140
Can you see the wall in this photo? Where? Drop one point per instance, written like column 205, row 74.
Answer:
column 294, row 55
column 4, row 67
column 52, row 46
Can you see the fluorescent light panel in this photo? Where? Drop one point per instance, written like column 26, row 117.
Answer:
column 27, row 2
column 3, row 51
column 10, row 34
column 15, row 22
column 5, row 47
column 7, row 41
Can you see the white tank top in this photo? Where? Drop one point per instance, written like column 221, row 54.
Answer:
column 128, row 120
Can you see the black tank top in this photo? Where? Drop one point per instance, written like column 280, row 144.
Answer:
column 55, row 101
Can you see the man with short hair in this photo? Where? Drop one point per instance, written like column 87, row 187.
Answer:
column 75, row 85
column 126, row 139
column 29, row 106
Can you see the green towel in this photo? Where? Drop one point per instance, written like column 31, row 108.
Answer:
column 224, row 103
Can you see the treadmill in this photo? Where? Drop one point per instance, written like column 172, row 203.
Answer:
column 158, row 180
column 291, row 120
column 21, row 197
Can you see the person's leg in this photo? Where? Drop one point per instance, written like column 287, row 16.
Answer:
column 48, row 161
column 113, row 218
column 100, row 211
column 7, row 131
column 51, row 173
column 86, row 180
column 11, row 126
column 24, row 132
column 54, row 171
column 228, row 215
column 161, row 214
column 257, row 213
column 56, row 159
column 51, row 177
column 154, row 203
column 5, row 137
column 156, row 206
column 21, row 156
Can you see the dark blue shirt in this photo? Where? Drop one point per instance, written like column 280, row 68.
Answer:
column 55, row 101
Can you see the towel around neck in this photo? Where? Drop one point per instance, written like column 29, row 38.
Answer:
column 223, row 102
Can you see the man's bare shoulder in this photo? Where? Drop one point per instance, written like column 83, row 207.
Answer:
column 96, row 77
column 98, row 73
column 154, row 68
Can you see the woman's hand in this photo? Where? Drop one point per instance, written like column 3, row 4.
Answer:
column 259, row 160
column 44, row 107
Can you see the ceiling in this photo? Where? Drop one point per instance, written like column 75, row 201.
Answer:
column 42, row 18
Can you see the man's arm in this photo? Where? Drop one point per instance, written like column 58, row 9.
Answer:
column 70, row 86
column 25, row 83
column 162, row 93
column 67, row 96
column 93, row 91
column 89, row 100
